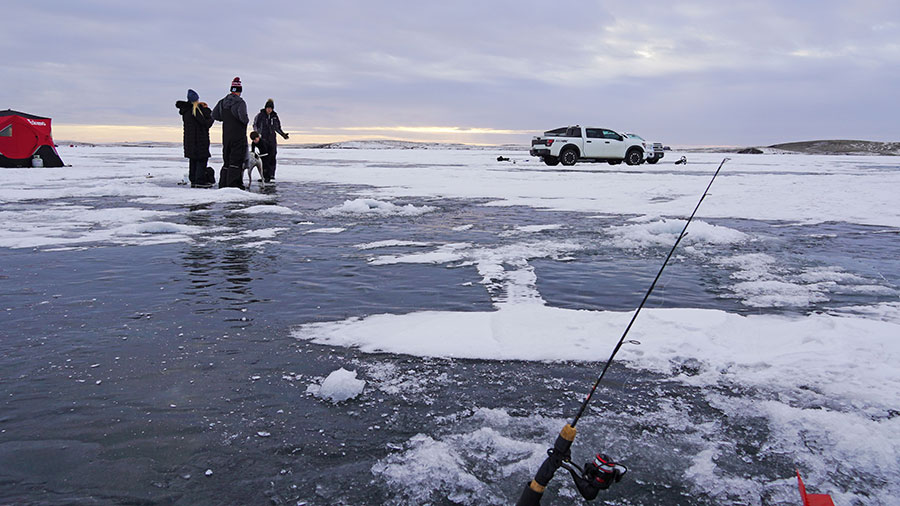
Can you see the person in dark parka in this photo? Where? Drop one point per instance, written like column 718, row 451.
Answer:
column 197, row 118
column 232, row 112
column 267, row 124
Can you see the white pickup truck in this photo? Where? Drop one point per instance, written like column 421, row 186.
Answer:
column 568, row 145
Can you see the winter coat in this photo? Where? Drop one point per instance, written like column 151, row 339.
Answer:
column 232, row 112
column 262, row 147
column 268, row 125
column 196, row 129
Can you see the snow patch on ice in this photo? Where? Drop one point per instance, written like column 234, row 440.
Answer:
column 326, row 230
column 463, row 467
column 389, row 244
column 408, row 384
column 376, row 207
column 652, row 234
column 256, row 244
column 156, row 227
column 193, row 196
column 263, row 233
column 493, row 263
column 764, row 283
column 265, row 209
column 775, row 293
column 445, row 253
column 762, row 351
column 530, row 229
column 66, row 224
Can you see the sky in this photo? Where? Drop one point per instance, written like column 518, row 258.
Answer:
column 687, row 73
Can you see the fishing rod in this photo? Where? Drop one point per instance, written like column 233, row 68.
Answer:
column 602, row 472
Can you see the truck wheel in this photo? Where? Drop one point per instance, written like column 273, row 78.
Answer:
column 569, row 156
column 634, row 157
column 551, row 160
column 652, row 160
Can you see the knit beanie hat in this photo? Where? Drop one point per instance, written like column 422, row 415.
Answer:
column 270, row 103
column 236, row 85
column 193, row 96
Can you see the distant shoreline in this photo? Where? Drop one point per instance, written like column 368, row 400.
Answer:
column 816, row 147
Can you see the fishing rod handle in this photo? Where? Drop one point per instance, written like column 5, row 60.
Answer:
column 560, row 452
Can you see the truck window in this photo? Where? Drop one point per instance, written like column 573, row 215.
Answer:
column 593, row 133
column 555, row 132
column 573, row 132
column 609, row 134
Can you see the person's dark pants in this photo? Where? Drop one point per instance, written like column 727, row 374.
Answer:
column 268, row 167
column 269, row 160
column 197, row 170
column 234, row 154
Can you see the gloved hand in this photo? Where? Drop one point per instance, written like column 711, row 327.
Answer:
column 285, row 136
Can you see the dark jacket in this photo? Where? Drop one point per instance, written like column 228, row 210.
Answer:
column 232, row 112
column 196, row 128
column 261, row 147
column 268, row 125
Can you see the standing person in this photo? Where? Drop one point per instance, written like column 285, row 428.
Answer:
column 197, row 119
column 268, row 124
column 232, row 112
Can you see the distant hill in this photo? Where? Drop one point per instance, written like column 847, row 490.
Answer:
column 840, row 147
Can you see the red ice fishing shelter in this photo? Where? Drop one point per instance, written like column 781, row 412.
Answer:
column 24, row 135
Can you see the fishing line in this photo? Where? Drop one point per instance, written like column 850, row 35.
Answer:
column 601, row 472
column 587, row 400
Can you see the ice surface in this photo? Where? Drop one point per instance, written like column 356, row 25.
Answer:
column 791, row 188
column 826, row 381
column 338, row 386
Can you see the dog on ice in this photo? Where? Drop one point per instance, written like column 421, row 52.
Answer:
column 258, row 149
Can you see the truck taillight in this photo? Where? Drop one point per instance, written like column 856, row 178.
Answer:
column 548, row 142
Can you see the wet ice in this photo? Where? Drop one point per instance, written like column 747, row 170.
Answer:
column 473, row 314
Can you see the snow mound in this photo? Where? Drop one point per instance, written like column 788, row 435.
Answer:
column 339, row 386
column 376, row 207
column 266, row 209
column 664, row 233
column 157, row 227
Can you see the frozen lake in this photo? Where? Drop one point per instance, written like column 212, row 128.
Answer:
column 167, row 345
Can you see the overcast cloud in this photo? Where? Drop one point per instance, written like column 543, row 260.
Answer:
column 701, row 72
